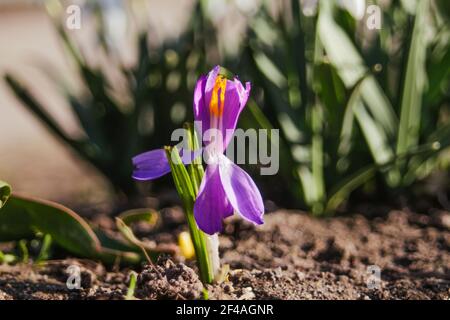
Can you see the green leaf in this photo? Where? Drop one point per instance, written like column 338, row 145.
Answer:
column 132, row 286
column 7, row 258
column 186, row 190
column 195, row 168
column 24, row 251
column 270, row 70
column 182, row 180
column 409, row 6
column 307, row 182
column 127, row 232
column 343, row 189
column 147, row 215
column 438, row 78
column 414, row 85
column 374, row 134
column 5, row 192
column 15, row 222
column 131, row 238
column 348, row 185
column 351, row 68
column 317, row 158
column 347, row 123
column 423, row 164
column 44, row 253
column 22, row 217
column 111, row 241
column 150, row 250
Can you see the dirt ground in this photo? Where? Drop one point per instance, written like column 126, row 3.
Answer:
column 292, row 256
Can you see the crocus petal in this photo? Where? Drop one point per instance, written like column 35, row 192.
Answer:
column 211, row 205
column 201, row 109
column 244, row 93
column 209, row 86
column 202, row 98
column 235, row 99
column 150, row 165
column 153, row 164
column 241, row 191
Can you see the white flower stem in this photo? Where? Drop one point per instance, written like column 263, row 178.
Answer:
column 212, row 245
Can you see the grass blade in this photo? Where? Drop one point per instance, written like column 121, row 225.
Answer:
column 414, row 85
column 374, row 135
column 355, row 180
column 44, row 253
column 350, row 66
column 132, row 286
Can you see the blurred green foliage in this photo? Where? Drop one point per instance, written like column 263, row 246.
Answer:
column 349, row 102
column 352, row 105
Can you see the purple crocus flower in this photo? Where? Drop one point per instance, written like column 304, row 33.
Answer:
column 225, row 187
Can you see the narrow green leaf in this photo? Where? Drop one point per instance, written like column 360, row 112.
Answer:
column 347, row 122
column 350, row 65
column 270, row 70
column 186, row 190
column 307, row 182
column 182, row 180
column 414, row 84
column 24, row 250
column 423, row 164
column 374, row 135
column 150, row 250
column 195, row 168
column 348, row 185
column 147, row 215
column 44, row 253
column 131, row 238
column 438, row 78
column 317, row 158
column 343, row 189
column 132, row 286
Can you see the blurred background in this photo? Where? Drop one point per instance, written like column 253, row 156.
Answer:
column 359, row 90
column 31, row 158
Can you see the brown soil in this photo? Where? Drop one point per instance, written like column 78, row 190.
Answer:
column 293, row 256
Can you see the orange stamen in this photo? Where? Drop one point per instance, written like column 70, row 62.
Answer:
column 220, row 84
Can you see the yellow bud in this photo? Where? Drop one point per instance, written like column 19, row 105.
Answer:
column 186, row 245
